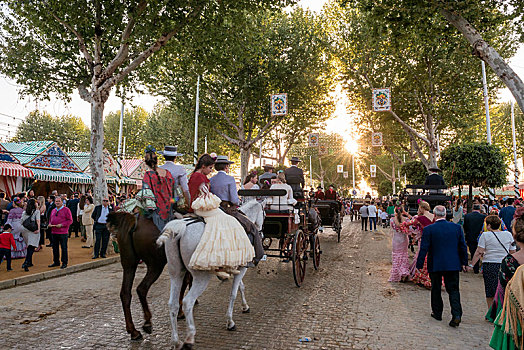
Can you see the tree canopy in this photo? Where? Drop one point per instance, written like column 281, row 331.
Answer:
column 68, row 131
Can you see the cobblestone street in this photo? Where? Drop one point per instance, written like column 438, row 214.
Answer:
column 347, row 304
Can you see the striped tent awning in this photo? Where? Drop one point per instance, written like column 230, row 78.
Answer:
column 123, row 180
column 61, row 176
column 14, row 169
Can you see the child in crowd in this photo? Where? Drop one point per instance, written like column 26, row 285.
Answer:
column 385, row 218
column 6, row 242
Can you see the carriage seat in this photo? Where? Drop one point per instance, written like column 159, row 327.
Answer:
column 281, row 211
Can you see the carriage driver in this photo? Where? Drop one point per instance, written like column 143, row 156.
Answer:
column 295, row 178
column 224, row 187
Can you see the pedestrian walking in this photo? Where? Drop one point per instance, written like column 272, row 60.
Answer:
column 493, row 246
column 59, row 223
column 87, row 221
column 6, row 242
column 473, row 223
column 364, row 216
column 443, row 243
column 399, row 245
column 507, row 213
column 30, row 231
column 80, row 214
column 458, row 213
column 14, row 219
column 372, row 216
column 100, row 225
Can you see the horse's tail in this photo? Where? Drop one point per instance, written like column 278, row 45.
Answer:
column 171, row 230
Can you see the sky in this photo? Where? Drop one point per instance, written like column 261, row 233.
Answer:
column 13, row 108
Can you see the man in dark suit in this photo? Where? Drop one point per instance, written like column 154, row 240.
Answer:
column 264, row 180
column 100, row 225
column 443, row 243
column 473, row 226
column 295, row 178
column 435, row 178
column 72, row 205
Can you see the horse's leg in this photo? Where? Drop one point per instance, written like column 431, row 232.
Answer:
column 234, row 290
column 125, row 297
column 154, row 270
column 176, row 276
column 200, row 282
column 188, row 279
column 245, row 306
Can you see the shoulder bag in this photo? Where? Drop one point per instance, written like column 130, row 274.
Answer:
column 30, row 223
column 507, row 252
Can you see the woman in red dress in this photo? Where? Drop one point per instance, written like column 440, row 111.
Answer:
column 199, row 177
column 423, row 219
column 161, row 182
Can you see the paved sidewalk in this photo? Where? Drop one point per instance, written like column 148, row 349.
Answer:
column 347, row 304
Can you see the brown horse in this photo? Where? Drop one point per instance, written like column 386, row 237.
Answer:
column 136, row 241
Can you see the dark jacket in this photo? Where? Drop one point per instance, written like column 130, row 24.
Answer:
column 295, row 179
column 98, row 211
column 435, row 179
column 72, row 204
column 444, row 244
column 473, row 225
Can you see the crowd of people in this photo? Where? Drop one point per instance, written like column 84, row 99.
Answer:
column 30, row 223
column 493, row 232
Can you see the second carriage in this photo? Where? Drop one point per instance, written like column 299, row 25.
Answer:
column 331, row 214
column 293, row 229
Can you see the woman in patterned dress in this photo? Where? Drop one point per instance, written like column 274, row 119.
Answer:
column 399, row 254
column 423, row 219
column 161, row 182
column 15, row 220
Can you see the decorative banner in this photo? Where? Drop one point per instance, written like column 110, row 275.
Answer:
column 354, row 192
column 381, row 100
column 322, row 150
column 279, row 104
column 313, row 140
column 373, row 174
column 373, row 168
column 376, row 139
column 340, row 169
column 346, row 174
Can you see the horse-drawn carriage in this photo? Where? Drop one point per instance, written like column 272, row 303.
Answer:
column 295, row 230
column 331, row 214
column 433, row 194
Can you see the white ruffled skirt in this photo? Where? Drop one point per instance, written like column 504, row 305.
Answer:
column 224, row 242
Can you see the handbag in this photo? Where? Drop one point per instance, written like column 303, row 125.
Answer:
column 30, row 223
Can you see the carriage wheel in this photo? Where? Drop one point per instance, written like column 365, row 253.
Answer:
column 316, row 251
column 338, row 227
column 299, row 263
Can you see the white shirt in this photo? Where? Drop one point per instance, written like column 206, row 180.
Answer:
column 384, row 215
column 103, row 215
column 372, row 211
column 494, row 250
column 282, row 202
column 364, row 211
column 179, row 174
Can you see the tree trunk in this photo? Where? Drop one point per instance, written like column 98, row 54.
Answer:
column 244, row 162
column 488, row 54
column 393, row 180
column 96, row 161
column 470, row 198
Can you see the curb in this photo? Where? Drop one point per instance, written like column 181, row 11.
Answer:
column 57, row 272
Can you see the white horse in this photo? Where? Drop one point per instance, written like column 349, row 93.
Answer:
column 180, row 239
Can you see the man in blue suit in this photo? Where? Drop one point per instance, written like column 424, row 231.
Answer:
column 444, row 244
column 223, row 185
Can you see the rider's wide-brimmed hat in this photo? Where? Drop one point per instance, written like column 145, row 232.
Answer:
column 319, row 188
column 223, row 160
column 295, row 159
column 434, row 169
column 170, row 151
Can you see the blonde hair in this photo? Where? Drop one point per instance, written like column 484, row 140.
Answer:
column 282, row 177
column 424, row 205
column 41, row 204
